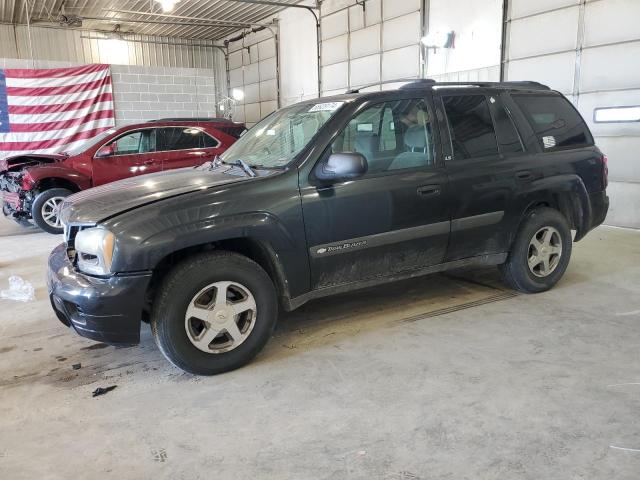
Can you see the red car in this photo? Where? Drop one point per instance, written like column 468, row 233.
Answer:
column 33, row 186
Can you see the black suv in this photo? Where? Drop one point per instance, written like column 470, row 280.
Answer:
column 327, row 196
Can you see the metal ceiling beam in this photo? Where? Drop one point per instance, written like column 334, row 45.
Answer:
column 158, row 22
column 230, row 23
column 274, row 4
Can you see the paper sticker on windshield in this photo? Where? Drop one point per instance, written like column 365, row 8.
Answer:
column 326, row 107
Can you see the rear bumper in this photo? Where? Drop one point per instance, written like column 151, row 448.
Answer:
column 595, row 215
column 599, row 208
column 108, row 310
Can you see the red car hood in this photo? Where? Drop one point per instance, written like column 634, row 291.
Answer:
column 20, row 161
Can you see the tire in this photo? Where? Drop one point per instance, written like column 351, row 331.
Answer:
column 516, row 271
column 185, row 286
column 42, row 207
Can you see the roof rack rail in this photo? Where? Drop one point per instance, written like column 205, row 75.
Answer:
column 519, row 83
column 419, row 81
column 426, row 82
column 192, row 119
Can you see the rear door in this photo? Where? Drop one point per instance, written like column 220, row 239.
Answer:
column 486, row 163
column 186, row 146
column 393, row 219
column 133, row 153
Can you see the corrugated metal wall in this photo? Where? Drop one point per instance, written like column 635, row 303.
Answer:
column 588, row 50
column 86, row 47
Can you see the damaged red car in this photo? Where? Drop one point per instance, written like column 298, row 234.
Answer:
column 34, row 186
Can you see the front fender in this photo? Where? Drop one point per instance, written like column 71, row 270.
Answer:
column 147, row 235
column 46, row 172
column 179, row 235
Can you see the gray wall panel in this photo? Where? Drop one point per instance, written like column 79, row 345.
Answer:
column 598, row 67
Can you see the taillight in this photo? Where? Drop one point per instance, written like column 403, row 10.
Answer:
column 27, row 181
column 605, row 171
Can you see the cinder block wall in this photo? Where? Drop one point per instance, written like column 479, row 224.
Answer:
column 147, row 93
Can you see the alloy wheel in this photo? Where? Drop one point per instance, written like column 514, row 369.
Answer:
column 51, row 211
column 220, row 317
column 545, row 250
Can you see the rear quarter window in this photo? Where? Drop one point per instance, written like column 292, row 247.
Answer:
column 555, row 121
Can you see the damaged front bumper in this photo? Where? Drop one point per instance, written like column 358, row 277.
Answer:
column 108, row 310
column 16, row 202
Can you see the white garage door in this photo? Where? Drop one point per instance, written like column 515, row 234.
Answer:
column 370, row 44
column 589, row 51
column 253, row 69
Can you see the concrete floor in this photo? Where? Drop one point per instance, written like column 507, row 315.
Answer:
column 446, row 377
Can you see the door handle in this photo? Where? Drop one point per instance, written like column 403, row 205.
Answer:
column 429, row 190
column 149, row 162
column 524, row 175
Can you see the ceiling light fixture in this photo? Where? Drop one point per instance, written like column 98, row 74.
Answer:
column 167, row 5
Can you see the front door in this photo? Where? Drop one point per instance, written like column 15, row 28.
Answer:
column 131, row 154
column 393, row 219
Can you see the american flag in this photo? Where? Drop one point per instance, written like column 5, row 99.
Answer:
column 53, row 110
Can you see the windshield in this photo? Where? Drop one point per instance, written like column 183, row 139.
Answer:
column 276, row 140
column 89, row 143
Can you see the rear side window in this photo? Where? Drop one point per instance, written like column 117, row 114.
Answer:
column 235, row 131
column 183, row 138
column 472, row 132
column 555, row 121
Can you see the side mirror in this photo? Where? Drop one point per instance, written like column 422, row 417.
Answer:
column 105, row 151
column 341, row 166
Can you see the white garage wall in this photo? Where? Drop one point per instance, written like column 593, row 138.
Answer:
column 362, row 46
column 253, row 69
column 298, row 56
column 380, row 42
column 478, row 35
column 588, row 50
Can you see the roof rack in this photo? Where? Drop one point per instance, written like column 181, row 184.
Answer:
column 513, row 84
column 193, row 119
column 419, row 82
column 412, row 83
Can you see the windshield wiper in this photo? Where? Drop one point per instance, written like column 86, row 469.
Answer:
column 215, row 163
column 244, row 166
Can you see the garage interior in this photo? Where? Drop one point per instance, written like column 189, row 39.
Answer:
column 451, row 375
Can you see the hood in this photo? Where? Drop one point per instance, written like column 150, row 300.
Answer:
column 21, row 161
column 99, row 203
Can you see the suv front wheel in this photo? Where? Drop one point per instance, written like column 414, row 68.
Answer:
column 214, row 312
column 540, row 254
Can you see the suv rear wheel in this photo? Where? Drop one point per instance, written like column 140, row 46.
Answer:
column 45, row 210
column 540, row 254
column 214, row 312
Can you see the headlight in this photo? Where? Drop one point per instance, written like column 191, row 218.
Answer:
column 94, row 247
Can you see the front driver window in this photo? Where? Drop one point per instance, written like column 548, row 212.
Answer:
column 393, row 135
column 132, row 143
